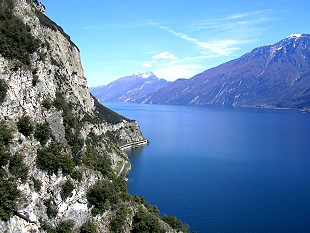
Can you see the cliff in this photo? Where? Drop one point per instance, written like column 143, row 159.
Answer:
column 61, row 167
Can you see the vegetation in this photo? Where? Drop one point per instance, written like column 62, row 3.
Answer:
column 47, row 103
column 43, row 133
column 77, row 175
column 175, row 223
column 51, row 209
column 51, row 159
column 103, row 196
column 18, row 168
column 16, row 41
column 9, row 195
column 3, row 90
column 25, row 126
column 35, row 80
column 67, row 189
column 144, row 221
column 63, row 227
column 104, row 114
column 98, row 162
column 88, row 227
column 37, row 184
column 117, row 224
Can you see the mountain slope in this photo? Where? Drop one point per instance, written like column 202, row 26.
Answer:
column 275, row 75
column 61, row 166
column 129, row 88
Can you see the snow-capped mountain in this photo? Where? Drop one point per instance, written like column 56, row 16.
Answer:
column 275, row 75
column 129, row 89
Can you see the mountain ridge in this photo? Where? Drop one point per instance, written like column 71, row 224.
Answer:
column 252, row 80
column 129, row 88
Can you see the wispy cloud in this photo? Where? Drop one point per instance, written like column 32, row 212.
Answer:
column 214, row 38
column 239, row 28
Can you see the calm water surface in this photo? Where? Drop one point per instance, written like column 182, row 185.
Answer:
column 224, row 170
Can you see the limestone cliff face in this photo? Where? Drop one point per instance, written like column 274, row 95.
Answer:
column 52, row 91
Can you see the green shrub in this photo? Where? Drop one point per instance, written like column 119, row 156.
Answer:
column 37, row 184
column 18, row 168
column 103, row 196
column 16, row 41
column 47, row 103
column 77, row 175
column 118, row 223
column 98, row 162
column 146, row 222
column 24, row 126
column 51, row 159
column 4, row 157
column 8, row 194
column 5, row 134
column 43, row 133
column 175, row 223
column 88, row 227
column 5, row 138
column 35, row 80
column 66, row 190
column 65, row 227
column 51, row 208
column 3, row 90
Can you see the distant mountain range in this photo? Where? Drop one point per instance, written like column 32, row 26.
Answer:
column 129, row 89
column 276, row 76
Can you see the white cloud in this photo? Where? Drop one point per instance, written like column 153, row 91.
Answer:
column 164, row 56
column 179, row 71
column 160, row 57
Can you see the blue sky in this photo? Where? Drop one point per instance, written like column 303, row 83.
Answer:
column 172, row 38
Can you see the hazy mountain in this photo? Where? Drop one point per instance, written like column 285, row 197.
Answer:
column 275, row 75
column 129, row 88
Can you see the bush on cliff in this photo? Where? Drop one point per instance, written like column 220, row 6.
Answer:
column 51, row 159
column 8, row 194
column 103, row 196
column 25, row 126
column 16, row 41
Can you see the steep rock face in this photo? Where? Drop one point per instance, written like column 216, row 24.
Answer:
column 275, row 75
column 129, row 89
column 62, row 141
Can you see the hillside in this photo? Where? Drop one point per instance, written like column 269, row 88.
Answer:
column 129, row 89
column 61, row 166
column 276, row 76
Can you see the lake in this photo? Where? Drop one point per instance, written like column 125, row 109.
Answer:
column 224, row 170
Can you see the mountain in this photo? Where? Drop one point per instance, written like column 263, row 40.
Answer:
column 62, row 164
column 129, row 88
column 275, row 75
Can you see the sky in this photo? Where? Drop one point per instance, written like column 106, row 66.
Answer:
column 172, row 38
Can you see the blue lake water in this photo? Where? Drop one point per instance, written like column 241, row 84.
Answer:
column 224, row 170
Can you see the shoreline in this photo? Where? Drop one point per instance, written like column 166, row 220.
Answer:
column 134, row 145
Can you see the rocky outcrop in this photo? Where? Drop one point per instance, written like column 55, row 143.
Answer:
column 50, row 112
